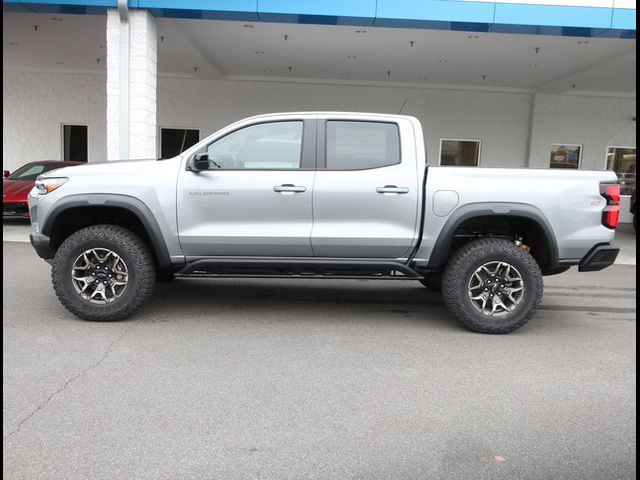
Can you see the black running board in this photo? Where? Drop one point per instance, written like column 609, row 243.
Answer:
column 266, row 267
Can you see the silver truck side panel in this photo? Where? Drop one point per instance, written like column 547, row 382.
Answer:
column 570, row 201
column 352, row 218
column 150, row 181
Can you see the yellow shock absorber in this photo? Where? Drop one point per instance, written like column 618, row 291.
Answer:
column 524, row 247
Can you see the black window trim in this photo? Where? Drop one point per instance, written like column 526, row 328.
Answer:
column 322, row 144
column 307, row 152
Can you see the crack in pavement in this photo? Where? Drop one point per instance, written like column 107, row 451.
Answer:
column 67, row 383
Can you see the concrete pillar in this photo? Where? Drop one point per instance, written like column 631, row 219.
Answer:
column 131, row 84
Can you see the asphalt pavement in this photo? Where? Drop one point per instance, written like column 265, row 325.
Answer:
column 317, row 379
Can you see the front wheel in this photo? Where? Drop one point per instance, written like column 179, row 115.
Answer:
column 103, row 273
column 492, row 286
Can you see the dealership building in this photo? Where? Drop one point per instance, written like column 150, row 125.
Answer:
column 495, row 83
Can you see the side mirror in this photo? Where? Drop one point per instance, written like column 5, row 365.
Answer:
column 5, row 173
column 199, row 162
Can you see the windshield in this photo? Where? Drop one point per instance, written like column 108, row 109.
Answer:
column 31, row 170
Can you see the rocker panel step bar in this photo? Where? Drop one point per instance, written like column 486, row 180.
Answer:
column 298, row 268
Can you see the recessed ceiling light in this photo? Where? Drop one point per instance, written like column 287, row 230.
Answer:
column 259, row 52
column 247, row 26
column 443, row 61
column 361, row 31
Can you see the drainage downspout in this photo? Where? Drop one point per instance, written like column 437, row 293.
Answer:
column 123, row 12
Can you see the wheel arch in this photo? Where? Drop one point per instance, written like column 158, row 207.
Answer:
column 528, row 217
column 71, row 213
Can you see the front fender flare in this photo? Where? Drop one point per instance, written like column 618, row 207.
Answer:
column 132, row 204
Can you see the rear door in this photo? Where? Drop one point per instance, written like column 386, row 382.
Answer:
column 366, row 191
column 255, row 198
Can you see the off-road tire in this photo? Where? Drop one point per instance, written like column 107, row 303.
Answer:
column 133, row 251
column 460, row 269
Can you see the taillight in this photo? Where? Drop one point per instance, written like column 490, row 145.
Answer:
column 611, row 213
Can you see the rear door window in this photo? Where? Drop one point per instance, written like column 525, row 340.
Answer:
column 361, row 145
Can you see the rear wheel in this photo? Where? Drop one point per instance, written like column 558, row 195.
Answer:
column 492, row 286
column 103, row 273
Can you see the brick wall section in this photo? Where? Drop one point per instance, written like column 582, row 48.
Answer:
column 35, row 105
column 500, row 120
column 142, row 85
column 593, row 122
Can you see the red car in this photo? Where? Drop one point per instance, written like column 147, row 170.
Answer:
column 17, row 185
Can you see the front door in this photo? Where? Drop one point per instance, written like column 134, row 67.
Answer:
column 255, row 198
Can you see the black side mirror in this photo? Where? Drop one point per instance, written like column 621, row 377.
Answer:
column 199, row 162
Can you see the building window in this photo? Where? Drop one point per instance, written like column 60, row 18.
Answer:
column 174, row 141
column 565, row 156
column 622, row 160
column 74, row 143
column 459, row 153
column 361, row 145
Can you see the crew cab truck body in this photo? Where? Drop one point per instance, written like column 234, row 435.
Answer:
column 307, row 195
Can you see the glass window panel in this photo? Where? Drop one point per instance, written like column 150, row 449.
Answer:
column 622, row 160
column 565, row 156
column 269, row 146
column 75, row 143
column 460, row 153
column 174, row 141
column 361, row 145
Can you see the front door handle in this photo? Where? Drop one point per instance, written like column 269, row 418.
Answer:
column 392, row 189
column 289, row 188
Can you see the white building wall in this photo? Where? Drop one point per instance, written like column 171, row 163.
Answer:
column 593, row 122
column 35, row 105
column 499, row 120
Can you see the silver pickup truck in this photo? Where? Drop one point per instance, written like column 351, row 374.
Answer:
column 317, row 195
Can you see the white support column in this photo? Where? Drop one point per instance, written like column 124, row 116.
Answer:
column 131, row 84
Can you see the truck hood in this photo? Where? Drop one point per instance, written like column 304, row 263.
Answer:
column 119, row 167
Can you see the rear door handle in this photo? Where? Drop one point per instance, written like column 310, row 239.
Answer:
column 387, row 189
column 289, row 188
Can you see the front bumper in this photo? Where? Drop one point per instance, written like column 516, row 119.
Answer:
column 599, row 257
column 41, row 244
